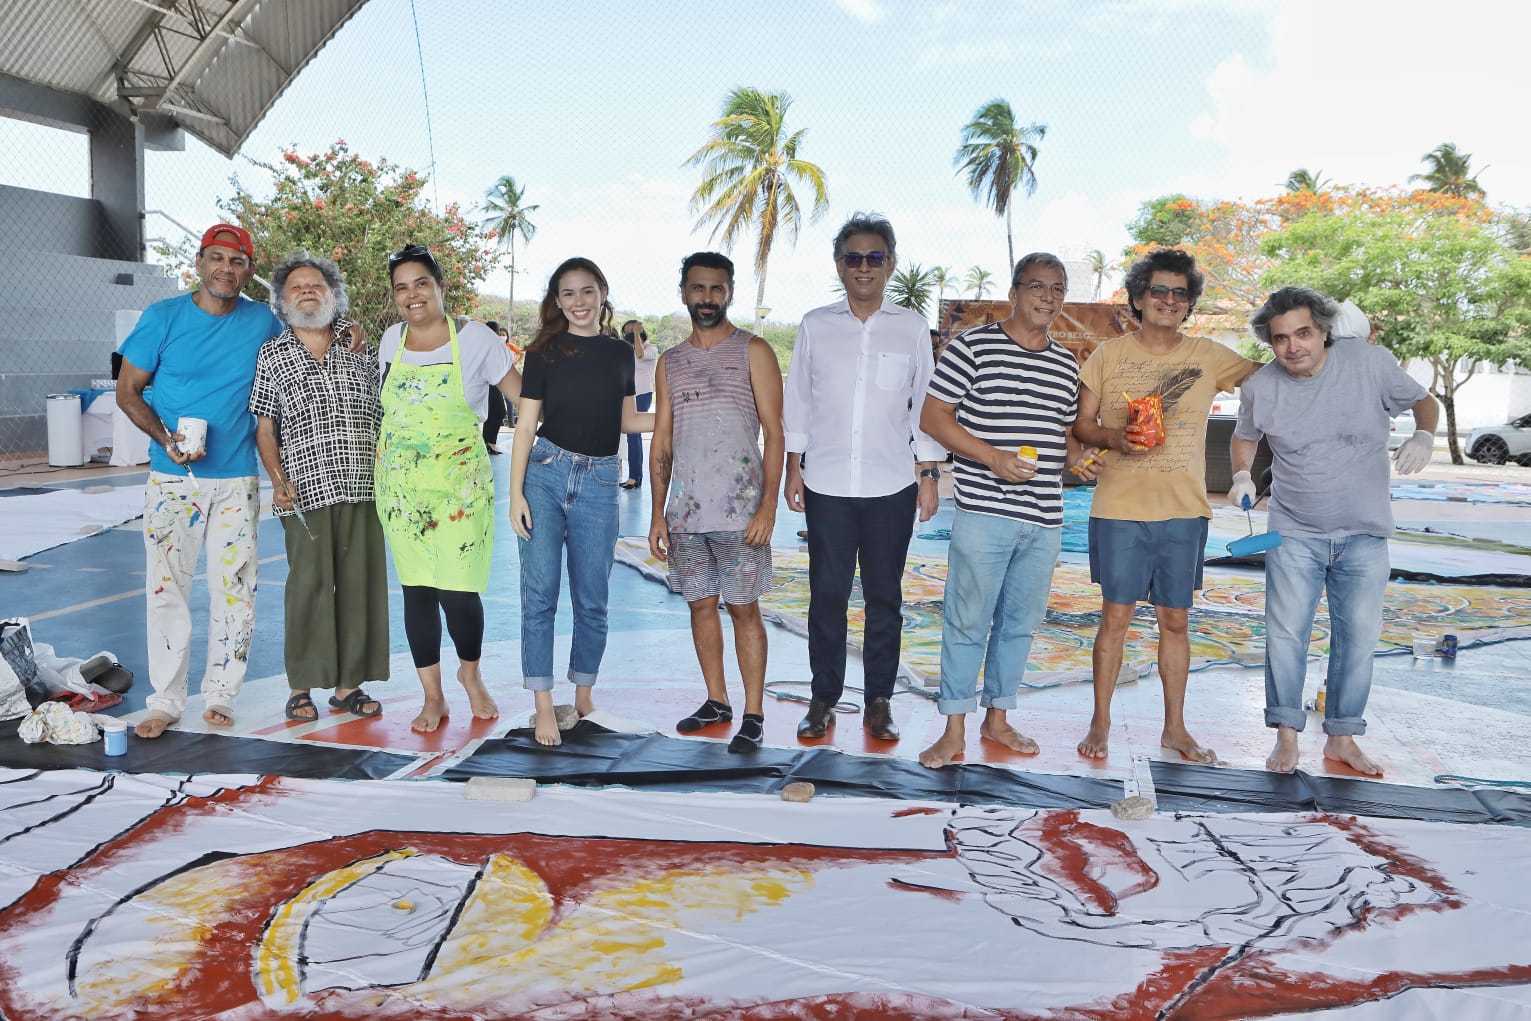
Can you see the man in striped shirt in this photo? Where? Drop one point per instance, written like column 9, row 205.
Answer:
column 1003, row 400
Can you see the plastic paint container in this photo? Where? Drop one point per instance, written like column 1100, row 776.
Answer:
column 116, row 734
column 1448, row 648
column 1424, row 647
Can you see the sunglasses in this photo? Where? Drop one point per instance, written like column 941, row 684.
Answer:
column 873, row 259
column 1161, row 292
column 408, row 253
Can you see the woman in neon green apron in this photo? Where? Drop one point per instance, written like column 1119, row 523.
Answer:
column 435, row 489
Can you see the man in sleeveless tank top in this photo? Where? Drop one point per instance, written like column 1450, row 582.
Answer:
column 716, row 393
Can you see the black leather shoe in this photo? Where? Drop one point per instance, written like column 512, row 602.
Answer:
column 821, row 716
column 878, row 720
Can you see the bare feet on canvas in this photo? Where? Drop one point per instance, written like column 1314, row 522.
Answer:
column 153, row 725
column 219, row 716
column 584, row 700
column 431, row 715
column 1181, row 741
column 546, row 730
column 949, row 748
column 1285, row 756
column 1344, row 748
column 1097, row 743
column 483, row 704
column 998, row 729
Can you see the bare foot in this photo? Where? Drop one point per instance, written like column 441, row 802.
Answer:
column 154, row 724
column 584, row 701
column 949, row 748
column 1344, row 748
column 1182, row 742
column 479, row 700
column 1285, row 756
column 998, row 729
column 1097, row 743
column 547, row 727
column 431, row 715
column 219, row 716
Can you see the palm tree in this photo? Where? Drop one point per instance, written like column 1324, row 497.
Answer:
column 507, row 217
column 1098, row 269
column 941, row 278
column 1303, row 179
column 1447, row 172
column 978, row 280
column 911, row 288
column 748, row 167
column 998, row 157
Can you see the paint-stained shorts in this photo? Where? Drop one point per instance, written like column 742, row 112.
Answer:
column 706, row 565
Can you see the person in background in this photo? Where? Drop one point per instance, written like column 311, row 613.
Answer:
column 494, row 408
column 317, row 415
column 434, row 487
column 645, row 358
column 576, row 402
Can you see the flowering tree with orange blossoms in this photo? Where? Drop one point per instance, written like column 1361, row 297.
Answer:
column 1435, row 273
column 356, row 211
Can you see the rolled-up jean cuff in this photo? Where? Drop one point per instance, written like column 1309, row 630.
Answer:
column 1279, row 716
column 956, row 706
column 582, row 680
column 1006, row 702
column 1342, row 726
column 537, row 683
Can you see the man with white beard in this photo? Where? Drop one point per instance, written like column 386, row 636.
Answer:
column 318, row 414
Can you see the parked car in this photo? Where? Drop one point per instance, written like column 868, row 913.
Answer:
column 1496, row 444
column 1403, row 428
column 1225, row 405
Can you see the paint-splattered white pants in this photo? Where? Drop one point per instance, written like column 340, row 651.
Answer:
column 180, row 517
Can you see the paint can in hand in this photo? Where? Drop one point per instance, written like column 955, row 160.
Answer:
column 1448, row 649
column 193, row 435
column 116, row 734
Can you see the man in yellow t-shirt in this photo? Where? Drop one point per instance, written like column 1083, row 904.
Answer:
column 1148, row 520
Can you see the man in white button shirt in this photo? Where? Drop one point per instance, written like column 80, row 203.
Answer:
column 851, row 413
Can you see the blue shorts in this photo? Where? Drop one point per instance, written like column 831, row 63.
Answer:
column 1154, row 561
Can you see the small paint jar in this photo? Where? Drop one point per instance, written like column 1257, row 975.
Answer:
column 116, row 734
column 1448, row 649
column 1424, row 647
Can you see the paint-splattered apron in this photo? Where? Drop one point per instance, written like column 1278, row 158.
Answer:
column 435, row 489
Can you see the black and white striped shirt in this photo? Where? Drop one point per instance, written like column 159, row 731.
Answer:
column 1009, row 396
column 327, row 416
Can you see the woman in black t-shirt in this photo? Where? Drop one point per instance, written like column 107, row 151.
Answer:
column 564, row 472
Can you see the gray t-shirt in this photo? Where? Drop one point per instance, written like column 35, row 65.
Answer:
column 1329, row 436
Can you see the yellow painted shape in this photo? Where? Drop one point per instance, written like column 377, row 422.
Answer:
column 505, row 943
column 276, row 959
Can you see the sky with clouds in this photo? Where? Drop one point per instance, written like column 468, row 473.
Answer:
column 596, row 107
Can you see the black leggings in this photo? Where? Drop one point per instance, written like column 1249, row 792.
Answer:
column 423, row 606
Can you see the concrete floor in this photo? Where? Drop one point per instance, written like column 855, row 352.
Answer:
column 1427, row 717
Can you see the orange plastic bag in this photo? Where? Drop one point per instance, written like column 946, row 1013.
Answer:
column 1146, row 415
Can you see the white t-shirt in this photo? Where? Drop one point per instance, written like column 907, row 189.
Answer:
column 643, row 369
column 485, row 360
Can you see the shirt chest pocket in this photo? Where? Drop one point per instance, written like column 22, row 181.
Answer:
column 893, row 371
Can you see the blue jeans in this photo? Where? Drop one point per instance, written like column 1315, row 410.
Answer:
column 998, row 576
column 573, row 500
column 1354, row 571
column 635, row 440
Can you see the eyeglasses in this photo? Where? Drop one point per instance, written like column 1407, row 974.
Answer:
column 407, row 253
column 1037, row 288
column 1161, row 292
column 855, row 259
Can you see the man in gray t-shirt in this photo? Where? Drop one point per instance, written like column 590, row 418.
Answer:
column 1325, row 406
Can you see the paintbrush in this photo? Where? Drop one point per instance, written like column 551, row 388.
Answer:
column 297, row 508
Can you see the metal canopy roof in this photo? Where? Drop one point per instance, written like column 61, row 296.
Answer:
column 214, row 66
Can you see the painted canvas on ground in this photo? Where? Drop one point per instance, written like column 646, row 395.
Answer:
column 150, row 897
column 1227, row 620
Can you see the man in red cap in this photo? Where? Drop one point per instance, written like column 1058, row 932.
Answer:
column 198, row 350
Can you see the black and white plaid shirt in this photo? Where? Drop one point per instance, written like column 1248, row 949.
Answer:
column 326, row 412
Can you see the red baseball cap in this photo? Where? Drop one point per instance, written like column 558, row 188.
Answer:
column 240, row 243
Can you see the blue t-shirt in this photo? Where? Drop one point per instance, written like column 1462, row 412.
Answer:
column 203, row 366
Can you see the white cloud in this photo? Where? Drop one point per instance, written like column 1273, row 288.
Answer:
column 950, row 55
column 864, row 11
column 1360, row 90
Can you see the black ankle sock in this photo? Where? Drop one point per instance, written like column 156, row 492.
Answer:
column 712, row 711
column 750, row 735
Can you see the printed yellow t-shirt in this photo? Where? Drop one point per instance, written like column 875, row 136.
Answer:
column 1169, row 481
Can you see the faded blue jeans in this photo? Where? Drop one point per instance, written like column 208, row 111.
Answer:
column 999, row 574
column 1353, row 570
column 573, row 500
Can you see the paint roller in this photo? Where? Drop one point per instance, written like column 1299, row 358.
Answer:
column 1252, row 543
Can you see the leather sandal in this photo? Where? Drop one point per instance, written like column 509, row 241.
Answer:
column 301, row 700
column 355, row 702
